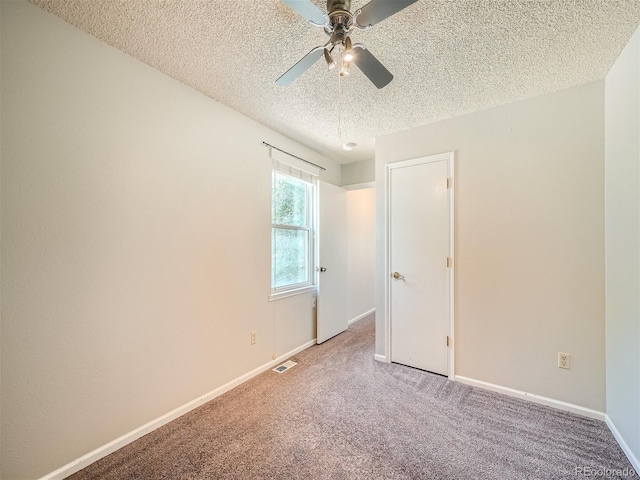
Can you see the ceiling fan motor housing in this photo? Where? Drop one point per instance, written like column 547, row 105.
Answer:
column 340, row 19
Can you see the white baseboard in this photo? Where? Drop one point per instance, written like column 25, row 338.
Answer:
column 532, row 397
column 86, row 460
column 380, row 358
column 623, row 444
column 360, row 317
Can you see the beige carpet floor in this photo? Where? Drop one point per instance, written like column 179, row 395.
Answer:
column 339, row 414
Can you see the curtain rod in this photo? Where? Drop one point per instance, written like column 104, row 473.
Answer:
column 294, row 156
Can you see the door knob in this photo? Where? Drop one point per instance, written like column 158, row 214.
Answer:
column 397, row 276
column 323, row 269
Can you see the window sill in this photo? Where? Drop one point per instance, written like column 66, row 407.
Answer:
column 290, row 293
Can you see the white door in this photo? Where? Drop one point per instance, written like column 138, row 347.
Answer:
column 419, row 247
column 332, row 262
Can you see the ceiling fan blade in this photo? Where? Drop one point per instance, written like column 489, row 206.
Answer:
column 308, row 10
column 371, row 66
column 377, row 10
column 299, row 68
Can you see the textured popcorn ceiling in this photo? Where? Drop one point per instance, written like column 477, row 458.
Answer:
column 448, row 58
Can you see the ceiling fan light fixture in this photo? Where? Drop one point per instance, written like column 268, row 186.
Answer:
column 331, row 64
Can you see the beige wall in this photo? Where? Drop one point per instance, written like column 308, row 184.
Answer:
column 135, row 244
column 622, row 200
column 529, row 220
column 358, row 172
column 361, row 246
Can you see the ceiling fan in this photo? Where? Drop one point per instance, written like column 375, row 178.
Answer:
column 339, row 23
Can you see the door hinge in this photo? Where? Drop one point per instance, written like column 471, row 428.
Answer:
column 448, row 342
column 448, row 183
column 448, row 262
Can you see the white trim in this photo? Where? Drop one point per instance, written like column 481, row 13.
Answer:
column 360, row 317
column 381, row 358
column 290, row 293
column 449, row 157
column 100, row 452
column 452, row 267
column 623, row 444
column 387, row 269
column 532, row 397
column 359, row 186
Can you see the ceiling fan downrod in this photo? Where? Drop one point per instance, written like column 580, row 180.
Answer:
column 334, row 5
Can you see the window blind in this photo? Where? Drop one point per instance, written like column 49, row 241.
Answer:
column 293, row 167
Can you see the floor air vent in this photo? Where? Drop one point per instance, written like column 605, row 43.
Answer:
column 285, row 366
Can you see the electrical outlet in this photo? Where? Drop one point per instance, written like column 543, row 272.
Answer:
column 254, row 337
column 564, row 360
column 313, row 302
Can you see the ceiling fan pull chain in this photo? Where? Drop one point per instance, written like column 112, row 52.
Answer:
column 340, row 107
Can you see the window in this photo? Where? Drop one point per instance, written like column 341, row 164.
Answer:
column 292, row 232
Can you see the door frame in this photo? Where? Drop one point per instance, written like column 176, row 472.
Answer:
column 449, row 157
